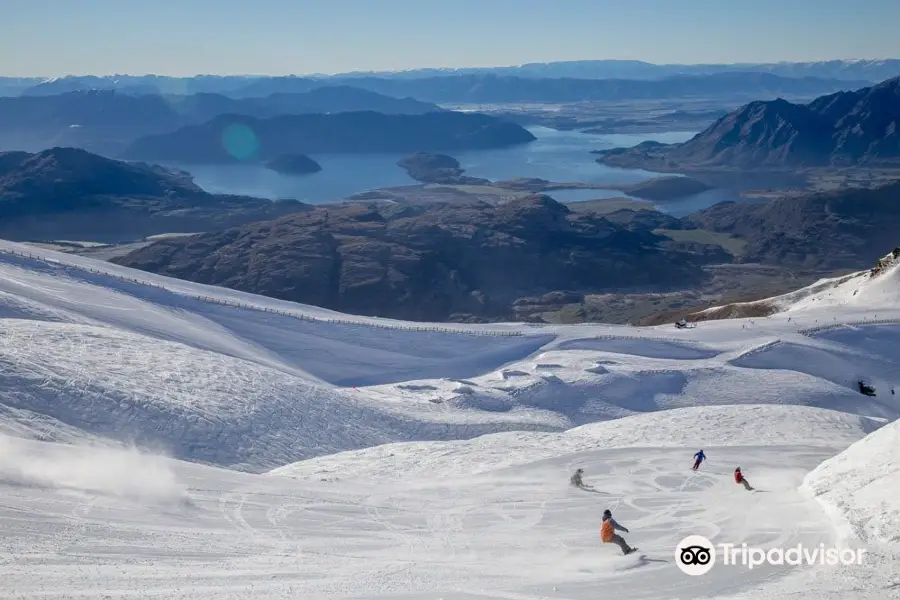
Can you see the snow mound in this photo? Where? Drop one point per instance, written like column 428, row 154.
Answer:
column 588, row 384
column 690, row 428
column 200, row 405
column 672, row 350
column 861, row 484
column 860, row 492
column 322, row 346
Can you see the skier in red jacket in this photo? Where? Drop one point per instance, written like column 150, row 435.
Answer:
column 739, row 478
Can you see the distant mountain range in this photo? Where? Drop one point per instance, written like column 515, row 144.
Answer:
column 491, row 88
column 869, row 70
column 236, row 138
column 850, row 70
column 107, row 121
column 473, row 88
column 68, row 193
column 851, row 128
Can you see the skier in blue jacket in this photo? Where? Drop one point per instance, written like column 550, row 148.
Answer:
column 698, row 458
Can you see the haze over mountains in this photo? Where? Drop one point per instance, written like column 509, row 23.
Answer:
column 234, row 138
column 491, row 88
column 846, row 70
column 471, row 88
column 107, row 121
column 868, row 70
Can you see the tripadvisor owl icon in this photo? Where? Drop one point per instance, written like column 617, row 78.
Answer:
column 695, row 555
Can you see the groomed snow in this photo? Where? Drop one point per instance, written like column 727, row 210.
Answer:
column 91, row 349
column 80, row 522
column 402, row 461
column 701, row 426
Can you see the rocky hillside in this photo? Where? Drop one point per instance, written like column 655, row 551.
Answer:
column 842, row 229
column 850, row 128
column 232, row 138
column 68, row 193
column 432, row 262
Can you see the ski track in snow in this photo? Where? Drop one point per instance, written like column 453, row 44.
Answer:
column 367, row 459
column 191, row 531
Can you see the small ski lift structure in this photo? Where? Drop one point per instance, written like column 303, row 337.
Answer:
column 865, row 389
column 683, row 324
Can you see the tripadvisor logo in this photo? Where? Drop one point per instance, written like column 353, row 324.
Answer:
column 696, row 555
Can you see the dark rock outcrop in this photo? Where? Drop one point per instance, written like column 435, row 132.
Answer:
column 294, row 164
column 643, row 219
column 425, row 262
column 234, row 138
column 852, row 128
column 69, row 193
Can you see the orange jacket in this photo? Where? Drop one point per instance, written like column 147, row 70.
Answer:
column 606, row 530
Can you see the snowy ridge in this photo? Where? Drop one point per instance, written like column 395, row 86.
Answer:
column 872, row 288
column 90, row 355
column 861, row 484
column 248, row 304
column 858, row 490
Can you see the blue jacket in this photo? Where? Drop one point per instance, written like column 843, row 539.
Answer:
column 615, row 524
column 700, row 456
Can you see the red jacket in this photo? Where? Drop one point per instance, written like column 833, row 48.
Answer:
column 738, row 477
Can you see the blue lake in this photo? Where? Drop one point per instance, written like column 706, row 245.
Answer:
column 562, row 156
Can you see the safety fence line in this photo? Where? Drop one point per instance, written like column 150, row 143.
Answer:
column 814, row 330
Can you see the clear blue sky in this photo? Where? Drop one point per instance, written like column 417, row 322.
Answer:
column 184, row 37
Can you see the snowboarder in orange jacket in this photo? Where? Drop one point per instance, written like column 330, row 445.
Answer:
column 608, row 533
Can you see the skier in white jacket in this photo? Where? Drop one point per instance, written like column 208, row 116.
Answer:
column 576, row 480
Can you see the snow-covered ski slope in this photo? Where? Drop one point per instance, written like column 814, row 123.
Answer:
column 412, row 461
column 84, row 522
column 864, row 290
column 96, row 350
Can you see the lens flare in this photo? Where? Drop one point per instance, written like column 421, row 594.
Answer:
column 240, row 142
